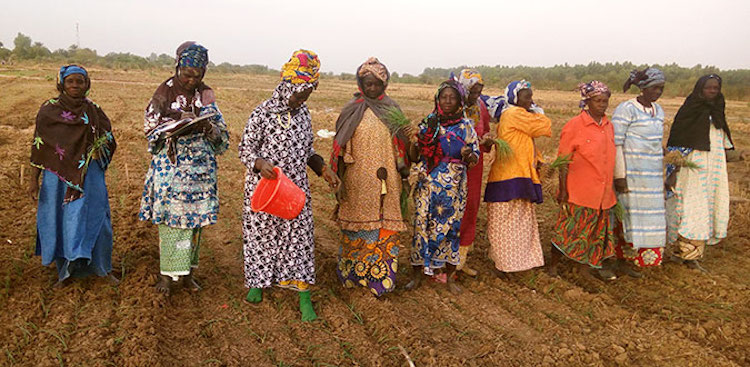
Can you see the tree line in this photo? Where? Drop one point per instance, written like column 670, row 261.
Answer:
column 680, row 80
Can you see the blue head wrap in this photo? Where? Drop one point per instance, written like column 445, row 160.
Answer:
column 194, row 56
column 65, row 71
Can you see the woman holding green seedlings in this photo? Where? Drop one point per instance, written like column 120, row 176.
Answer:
column 369, row 155
column 698, row 207
column 583, row 231
column 514, row 186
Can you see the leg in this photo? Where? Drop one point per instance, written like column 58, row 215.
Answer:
column 255, row 295
column 554, row 260
column 416, row 278
column 162, row 286
column 306, row 307
column 463, row 267
column 188, row 281
column 113, row 279
column 451, row 282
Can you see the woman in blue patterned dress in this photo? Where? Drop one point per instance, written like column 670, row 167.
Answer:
column 639, row 173
column 446, row 146
column 180, row 194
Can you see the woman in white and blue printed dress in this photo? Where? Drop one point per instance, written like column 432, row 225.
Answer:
column 180, row 194
column 639, row 173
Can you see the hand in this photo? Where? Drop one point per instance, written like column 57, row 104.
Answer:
column 487, row 142
column 621, row 185
column 333, row 180
column 468, row 156
column 187, row 115
column 671, row 180
column 265, row 168
column 33, row 189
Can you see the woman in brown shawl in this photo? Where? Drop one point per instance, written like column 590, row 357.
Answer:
column 73, row 145
column 369, row 155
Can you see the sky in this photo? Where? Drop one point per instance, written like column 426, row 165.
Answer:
column 406, row 35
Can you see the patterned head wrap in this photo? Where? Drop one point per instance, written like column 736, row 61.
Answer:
column 469, row 78
column 192, row 56
column 302, row 68
column 511, row 92
column 450, row 83
column 375, row 68
column 590, row 90
column 68, row 70
column 644, row 78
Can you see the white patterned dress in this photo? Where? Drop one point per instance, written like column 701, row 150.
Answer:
column 699, row 210
column 639, row 132
column 278, row 251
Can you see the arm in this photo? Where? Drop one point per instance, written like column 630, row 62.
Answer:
column 216, row 129
column 620, row 121
column 531, row 124
column 34, row 183
column 250, row 146
column 567, row 147
column 470, row 151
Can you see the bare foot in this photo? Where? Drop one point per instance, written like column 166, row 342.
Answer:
column 163, row 285
column 454, row 288
column 415, row 282
column 552, row 271
column 188, row 281
column 61, row 284
column 469, row 271
column 113, row 280
column 502, row 275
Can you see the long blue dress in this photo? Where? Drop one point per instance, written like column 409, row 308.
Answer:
column 77, row 235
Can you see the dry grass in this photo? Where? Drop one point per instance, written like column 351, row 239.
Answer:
column 672, row 317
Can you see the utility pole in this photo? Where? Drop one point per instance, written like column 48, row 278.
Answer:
column 78, row 37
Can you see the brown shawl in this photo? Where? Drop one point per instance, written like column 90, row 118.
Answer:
column 70, row 133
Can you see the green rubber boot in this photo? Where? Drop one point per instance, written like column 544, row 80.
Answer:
column 255, row 295
column 306, row 307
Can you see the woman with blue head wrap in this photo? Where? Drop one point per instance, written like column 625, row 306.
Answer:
column 73, row 145
column 180, row 193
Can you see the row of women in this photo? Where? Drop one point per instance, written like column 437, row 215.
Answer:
column 376, row 159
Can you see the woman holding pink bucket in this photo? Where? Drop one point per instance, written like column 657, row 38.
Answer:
column 277, row 145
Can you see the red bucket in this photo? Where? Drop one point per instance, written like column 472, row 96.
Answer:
column 279, row 197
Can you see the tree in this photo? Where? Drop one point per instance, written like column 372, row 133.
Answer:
column 22, row 46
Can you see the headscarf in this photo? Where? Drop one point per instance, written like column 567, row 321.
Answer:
column 66, row 71
column 469, row 78
column 643, row 79
column 353, row 112
column 590, row 90
column 192, row 56
column 428, row 140
column 69, row 133
column 692, row 123
column 498, row 105
column 302, row 68
column 375, row 68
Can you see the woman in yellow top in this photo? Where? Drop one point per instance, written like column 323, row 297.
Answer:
column 514, row 186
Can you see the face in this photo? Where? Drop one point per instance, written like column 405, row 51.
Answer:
column 524, row 98
column 449, row 101
column 298, row 98
column 653, row 93
column 74, row 85
column 598, row 104
column 474, row 93
column 711, row 89
column 372, row 87
column 190, row 77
